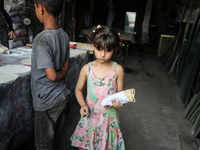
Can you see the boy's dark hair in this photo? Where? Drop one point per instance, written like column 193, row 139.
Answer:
column 53, row 7
column 105, row 38
column 2, row 4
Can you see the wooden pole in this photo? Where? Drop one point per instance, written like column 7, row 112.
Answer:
column 91, row 11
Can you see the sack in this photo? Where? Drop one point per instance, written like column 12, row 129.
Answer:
column 4, row 50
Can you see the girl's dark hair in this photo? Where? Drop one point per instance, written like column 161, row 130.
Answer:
column 105, row 38
column 53, row 7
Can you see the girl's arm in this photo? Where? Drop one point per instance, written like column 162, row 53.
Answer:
column 120, row 84
column 120, row 78
column 78, row 90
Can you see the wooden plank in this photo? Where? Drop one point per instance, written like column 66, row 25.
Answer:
column 196, row 126
column 186, row 49
column 194, row 109
column 194, row 115
column 189, row 107
column 80, row 45
column 191, row 67
column 146, row 21
column 85, row 46
column 30, row 45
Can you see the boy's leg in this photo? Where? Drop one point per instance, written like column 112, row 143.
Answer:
column 60, row 132
column 45, row 121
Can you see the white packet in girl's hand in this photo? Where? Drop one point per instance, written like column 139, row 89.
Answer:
column 122, row 96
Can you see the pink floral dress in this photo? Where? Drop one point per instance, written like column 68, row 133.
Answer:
column 100, row 129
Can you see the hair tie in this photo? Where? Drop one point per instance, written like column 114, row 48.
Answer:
column 99, row 26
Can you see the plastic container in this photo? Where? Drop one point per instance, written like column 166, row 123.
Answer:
column 72, row 45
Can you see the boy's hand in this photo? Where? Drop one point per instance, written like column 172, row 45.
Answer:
column 54, row 75
column 117, row 104
column 84, row 111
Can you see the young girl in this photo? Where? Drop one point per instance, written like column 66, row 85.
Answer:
column 98, row 128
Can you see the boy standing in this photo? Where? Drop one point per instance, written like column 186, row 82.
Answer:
column 50, row 64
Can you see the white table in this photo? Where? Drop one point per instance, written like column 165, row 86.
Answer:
column 16, row 110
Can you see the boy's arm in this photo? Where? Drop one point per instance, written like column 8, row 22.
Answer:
column 54, row 75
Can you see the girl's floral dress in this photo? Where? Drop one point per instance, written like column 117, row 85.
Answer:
column 100, row 129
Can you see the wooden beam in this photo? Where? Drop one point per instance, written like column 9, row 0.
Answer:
column 160, row 43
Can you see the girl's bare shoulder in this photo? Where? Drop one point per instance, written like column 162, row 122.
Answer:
column 85, row 66
column 84, row 69
column 119, row 68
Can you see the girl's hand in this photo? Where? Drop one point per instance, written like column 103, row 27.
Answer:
column 108, row 106
column 84, row 111
column 117, row 104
